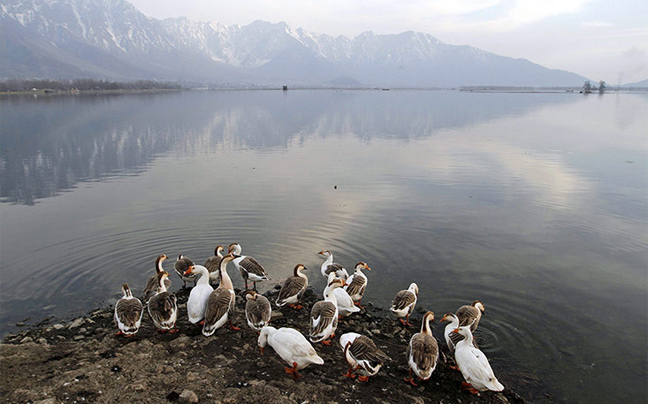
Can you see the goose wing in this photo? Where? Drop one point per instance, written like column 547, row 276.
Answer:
column 219, row 303
column 129, row 311
column 252, row 266
column 291, row 287
column 323, row 314
column 258, row 312
column 423, row 350
column 364, row 349
column 403, row 299
column 357, row 285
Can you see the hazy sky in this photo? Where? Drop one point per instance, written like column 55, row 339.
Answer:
column 599, row 39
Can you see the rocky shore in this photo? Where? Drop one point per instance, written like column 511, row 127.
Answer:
column 83, row 361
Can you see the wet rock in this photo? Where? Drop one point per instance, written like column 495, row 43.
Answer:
column 58, row 326
column 76, row 323
column 188, row 396
column 50, row 400
column 26, row 340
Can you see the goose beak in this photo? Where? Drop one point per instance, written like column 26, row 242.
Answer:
column 261, row 349
column 455, row 331
column 189, row 271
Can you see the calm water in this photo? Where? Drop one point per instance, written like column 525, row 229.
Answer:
column 536, row 204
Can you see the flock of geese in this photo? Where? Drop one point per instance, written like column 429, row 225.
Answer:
column 213, row 308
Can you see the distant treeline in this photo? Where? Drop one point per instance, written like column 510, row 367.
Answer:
column 85, row 85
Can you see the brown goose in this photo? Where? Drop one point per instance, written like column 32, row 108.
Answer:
column 257, row 310
column 324, row 316
column 213, row 263
column 357, row 283
column 470, row 315
column 163, row 307
column 422, row 352
column 128, row 313
column 181, row 266
column 220, row 304
column 329, row 266
column 293, row 288
column 404, row 303
column 248, row 266
column 152, row 284
column 362, row 355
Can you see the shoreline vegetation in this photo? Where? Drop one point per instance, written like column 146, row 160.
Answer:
column 84, row 361
column 93, row 86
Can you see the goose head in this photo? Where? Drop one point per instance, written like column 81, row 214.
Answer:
column 324, row 253
column 479, row 305
column 234, row 248
column 298, row 268
column 251, row 295
column 361, row 265
column 450, row 317
column 218, row 250
column 413, row 288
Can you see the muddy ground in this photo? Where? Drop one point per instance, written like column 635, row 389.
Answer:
column 83, row 361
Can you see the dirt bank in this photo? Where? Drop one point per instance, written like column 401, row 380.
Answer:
column 84, row 362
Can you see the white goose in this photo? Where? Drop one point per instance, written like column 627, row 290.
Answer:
column 329, row 266
column 180, row 266
column 404, row 303
column 474, row 365
column 257, row 310
column 451, row 338
column 357, row 283
column 422, row 352
column 293, row 288
column 324, row 316
column 128, row 313
column 344, row 302
column 199, row 295
column 362, row 355
column 248, row 266
column 291, row 346
column 152, row 284
column 213, row 263
column 221, row 302
column 163, row 307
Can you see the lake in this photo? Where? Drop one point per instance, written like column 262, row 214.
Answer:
column 535, row 204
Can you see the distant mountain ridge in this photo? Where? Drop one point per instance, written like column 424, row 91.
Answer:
column 111, row 39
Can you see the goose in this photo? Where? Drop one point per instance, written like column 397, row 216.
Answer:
column 474, row 365
column 344, row 302
column 450, row 337
column 293, row 288
column 404, row 303
column 324, row 316
column 470, row 315
column 362, row 355
column 128, row 313
column 181, row 265
column 199, row 294
column 220, row 304
column 329, row 266
column 257, row 310
column 357, row 283
column 213, row 263
column 163, row 307
column 291, row 346
column 248, row 266
column 422, row 351
column 152, row 284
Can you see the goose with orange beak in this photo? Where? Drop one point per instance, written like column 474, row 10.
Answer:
column 357, row 283
column 291, row 346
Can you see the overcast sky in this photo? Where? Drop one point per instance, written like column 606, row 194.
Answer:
column 599, row 39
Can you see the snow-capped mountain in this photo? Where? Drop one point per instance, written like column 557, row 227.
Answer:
column 111, row 39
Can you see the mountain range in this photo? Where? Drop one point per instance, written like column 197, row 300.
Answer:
column 111, row 39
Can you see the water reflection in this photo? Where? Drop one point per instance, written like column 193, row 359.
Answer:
column 48, row 144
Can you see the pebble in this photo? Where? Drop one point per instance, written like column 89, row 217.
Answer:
column 78, row 337
column 26, row 340
column 42, row 341
column 58, row 326
column 50, row 400
column 188, row 396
